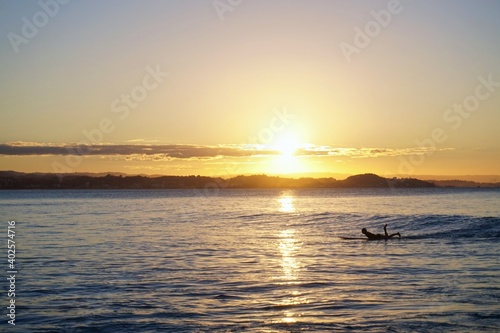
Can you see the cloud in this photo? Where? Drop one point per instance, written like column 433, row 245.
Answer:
column 154, row 151
column 365, row 152
column 178, row 151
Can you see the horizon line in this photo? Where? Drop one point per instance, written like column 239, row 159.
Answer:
column 439, row 178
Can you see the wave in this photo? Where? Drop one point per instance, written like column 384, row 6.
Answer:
column 258, row 216
column 454, row 227
column 410, row 226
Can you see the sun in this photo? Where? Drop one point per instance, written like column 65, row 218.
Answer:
column 287, row 146
column 287, row 160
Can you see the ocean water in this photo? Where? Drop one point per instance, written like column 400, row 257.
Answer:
column 254, row 261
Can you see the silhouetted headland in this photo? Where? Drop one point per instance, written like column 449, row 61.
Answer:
column 18, row 180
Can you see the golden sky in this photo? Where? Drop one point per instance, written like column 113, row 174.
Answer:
column 225, row 87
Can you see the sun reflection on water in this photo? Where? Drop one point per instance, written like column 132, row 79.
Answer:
column 289, row 317
column 289, row 247
column 286, row 204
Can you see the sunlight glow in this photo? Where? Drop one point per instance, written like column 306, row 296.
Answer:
column 286, row 164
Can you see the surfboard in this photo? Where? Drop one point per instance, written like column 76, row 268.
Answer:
column 366, row 239
column 354, row 238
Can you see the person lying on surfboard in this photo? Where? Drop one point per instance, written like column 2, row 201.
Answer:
column 379, row 236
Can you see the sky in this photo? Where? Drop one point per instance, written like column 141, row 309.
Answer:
column 229, row 87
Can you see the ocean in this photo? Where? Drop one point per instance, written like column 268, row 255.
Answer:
column 253, row 260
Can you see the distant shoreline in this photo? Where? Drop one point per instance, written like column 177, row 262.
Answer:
column 17, row 180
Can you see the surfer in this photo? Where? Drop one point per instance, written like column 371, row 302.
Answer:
column 379, row 236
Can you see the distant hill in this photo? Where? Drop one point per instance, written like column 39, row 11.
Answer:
column 16, row 180
column 371, row 180
column 480, row 179
column 462, row 183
